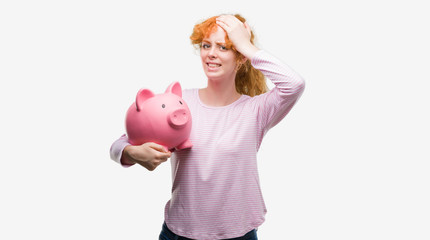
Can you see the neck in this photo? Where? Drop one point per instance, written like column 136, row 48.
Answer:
column 219, row 93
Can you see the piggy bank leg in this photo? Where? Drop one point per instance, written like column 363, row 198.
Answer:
column 186, row 144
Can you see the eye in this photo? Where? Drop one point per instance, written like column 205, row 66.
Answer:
column 163, row 106
column 180, row 102
column 206, row 46
column 224, row 48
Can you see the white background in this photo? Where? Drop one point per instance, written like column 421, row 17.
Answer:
column 350, row 161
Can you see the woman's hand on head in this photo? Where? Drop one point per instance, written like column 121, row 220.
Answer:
column 239, row 34
column 149, row 155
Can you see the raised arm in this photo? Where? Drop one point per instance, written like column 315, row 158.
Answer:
column 289, row 85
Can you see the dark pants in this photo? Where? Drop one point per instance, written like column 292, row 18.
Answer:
column 166, row 234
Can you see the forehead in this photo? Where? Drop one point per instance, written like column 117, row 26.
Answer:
column 216, row 36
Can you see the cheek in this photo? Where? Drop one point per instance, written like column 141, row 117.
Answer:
column 203, row 56
column 231, row 58
column 231, row 62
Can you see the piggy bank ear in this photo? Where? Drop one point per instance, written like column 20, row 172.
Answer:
column 142, row 96
column 174, row 88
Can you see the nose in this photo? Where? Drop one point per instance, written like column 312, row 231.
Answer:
column 178, row 118
column 212, row 53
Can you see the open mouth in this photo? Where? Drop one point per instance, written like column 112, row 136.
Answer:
column 213, row 65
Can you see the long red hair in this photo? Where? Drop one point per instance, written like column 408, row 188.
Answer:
column 248, row 81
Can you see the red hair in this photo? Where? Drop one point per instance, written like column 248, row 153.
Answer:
column 249, row 81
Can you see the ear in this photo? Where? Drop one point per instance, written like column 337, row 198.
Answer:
column 243, row 60
column 142, row 96
column 174, row 88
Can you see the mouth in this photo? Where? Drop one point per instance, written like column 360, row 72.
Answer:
column 213, row 65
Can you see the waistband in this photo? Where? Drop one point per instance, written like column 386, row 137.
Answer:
column 172, row 235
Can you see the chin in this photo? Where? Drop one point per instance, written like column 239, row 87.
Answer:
column 214, row 76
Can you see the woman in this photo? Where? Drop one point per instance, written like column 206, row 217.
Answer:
column 216, row 191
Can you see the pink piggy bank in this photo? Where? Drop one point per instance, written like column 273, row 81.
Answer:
column 162, row 118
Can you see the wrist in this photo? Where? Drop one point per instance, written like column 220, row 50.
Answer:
column 248, row 50
column 125, row 156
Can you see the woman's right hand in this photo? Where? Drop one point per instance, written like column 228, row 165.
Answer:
column 149, row 155
column 239, row 34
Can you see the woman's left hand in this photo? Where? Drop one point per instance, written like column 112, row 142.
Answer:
column 239, row 34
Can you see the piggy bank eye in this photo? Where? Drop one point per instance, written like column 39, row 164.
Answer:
column 180, row 102
column 163, row 106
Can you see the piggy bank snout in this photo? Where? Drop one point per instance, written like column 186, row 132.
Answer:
column 178, row 118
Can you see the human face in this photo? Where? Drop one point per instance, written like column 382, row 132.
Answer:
column 219, row 62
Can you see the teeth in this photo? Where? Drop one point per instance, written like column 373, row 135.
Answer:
column 213, row 65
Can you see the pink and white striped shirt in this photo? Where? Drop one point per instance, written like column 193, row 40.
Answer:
column 216, row 191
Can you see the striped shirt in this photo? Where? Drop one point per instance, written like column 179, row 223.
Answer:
column 215, row 190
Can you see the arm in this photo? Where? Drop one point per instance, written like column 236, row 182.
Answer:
column 117, row 149
column 148, row 155
column 274, row 105
column 289, row 86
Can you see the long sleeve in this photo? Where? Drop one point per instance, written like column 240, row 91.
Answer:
column 216, row 186
column 117, row 148
column 274, row 105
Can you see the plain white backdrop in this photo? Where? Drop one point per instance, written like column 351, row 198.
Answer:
column 350, row 161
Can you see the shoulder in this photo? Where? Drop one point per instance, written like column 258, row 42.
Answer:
column 258, row 98
column 246, row 102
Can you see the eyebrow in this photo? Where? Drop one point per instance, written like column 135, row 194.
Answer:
column 218, row 43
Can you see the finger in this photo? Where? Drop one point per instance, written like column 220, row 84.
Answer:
column 222, row 18
column 231, row 20
column 225, row 22
column 153, row 165
column 162, row 160
column 162, row 156
column 158, row 147
column 150, row 166
column 248, row 28
column 228, row 20
column 223, row 26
